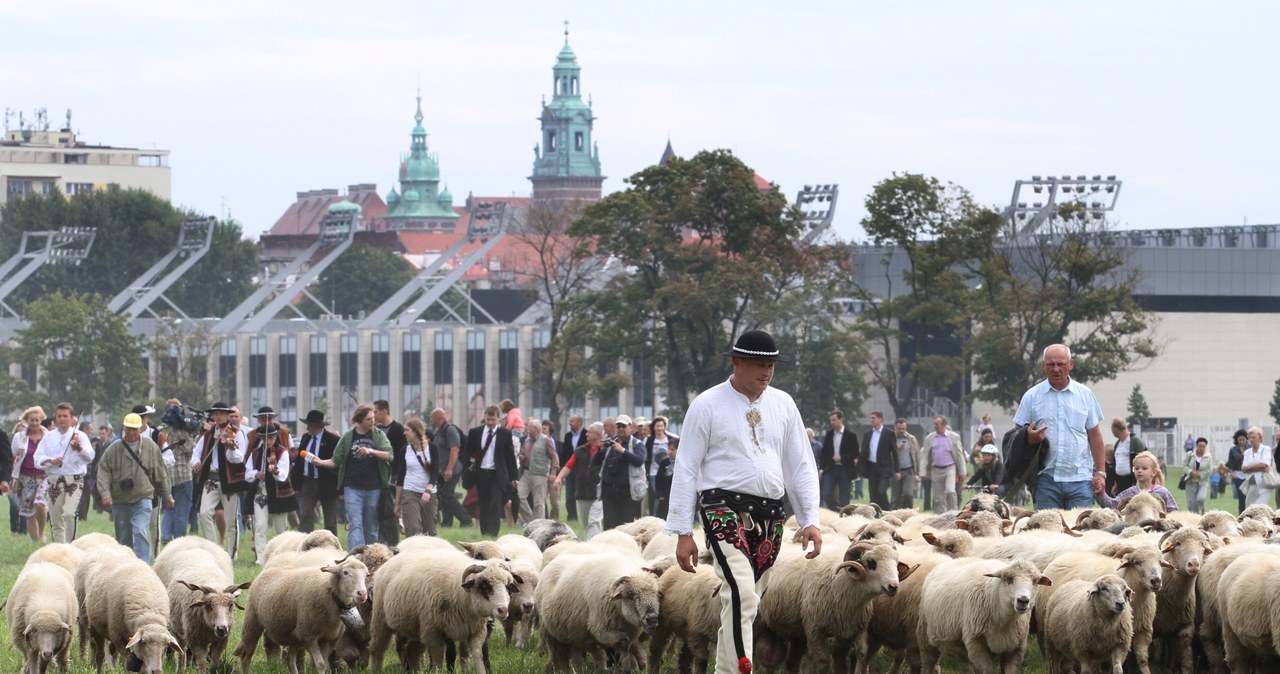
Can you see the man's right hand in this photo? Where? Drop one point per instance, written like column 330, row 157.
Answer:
column 1035, row 434
column 687, row 552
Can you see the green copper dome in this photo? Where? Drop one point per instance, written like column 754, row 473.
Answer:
column 419, row 181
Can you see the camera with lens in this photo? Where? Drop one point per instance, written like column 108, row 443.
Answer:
column 126, row 484
column 184, row 418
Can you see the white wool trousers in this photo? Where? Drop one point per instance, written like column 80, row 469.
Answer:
column 209, row 501
column 739, row 598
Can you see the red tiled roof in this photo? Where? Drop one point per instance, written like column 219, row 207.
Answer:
column 304, row 215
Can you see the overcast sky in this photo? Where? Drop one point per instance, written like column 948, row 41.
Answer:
column 259, row 100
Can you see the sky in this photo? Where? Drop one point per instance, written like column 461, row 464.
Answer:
column 257, row 100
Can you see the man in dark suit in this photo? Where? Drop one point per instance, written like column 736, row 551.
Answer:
column 316, row 485
column 574, row 438
column 879, row 458
column 838, row 462
column 493, row 450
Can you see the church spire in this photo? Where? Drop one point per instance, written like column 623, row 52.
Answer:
column 568, row 165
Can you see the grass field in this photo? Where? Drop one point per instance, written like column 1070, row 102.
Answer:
column 14, row 551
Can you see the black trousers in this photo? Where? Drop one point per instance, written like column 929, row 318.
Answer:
column 619, row 507
column 450, row 506
column 308, row 496
column 880, row 489
column 568, row 490
column 491, row 491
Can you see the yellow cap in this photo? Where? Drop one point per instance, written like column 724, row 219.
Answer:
column 132, row 420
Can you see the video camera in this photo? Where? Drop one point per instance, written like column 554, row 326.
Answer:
column 184, row 418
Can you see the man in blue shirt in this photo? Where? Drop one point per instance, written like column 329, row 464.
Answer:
column 1067, row 413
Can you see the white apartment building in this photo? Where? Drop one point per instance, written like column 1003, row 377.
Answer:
column 36, row 161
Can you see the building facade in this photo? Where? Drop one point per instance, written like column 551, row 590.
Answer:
column 40, row 161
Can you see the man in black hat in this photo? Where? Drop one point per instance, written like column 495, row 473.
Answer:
column 267, row 466
column 742, row 449
column 316, row 485
column 218, row 463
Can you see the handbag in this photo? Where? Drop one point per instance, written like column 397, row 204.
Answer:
column 1269, row 479
column 471, row 472
column 1182, row 481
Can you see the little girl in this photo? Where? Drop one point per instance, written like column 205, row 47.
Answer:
column 1146, row 470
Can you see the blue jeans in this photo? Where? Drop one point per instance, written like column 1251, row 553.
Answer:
column 175, row 520
column 1062, row 495
column 362, row 514
column 132, row 521
column 836, row 486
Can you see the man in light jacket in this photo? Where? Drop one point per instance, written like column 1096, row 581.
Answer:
column 945, row 464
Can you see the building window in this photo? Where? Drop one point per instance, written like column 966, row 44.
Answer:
column 608, row 400
column 380, row 367
column 75, row 158
column 476, row 401
column 19, row 188
column 79, row 188
column 578, row 141
column 540, row 383
column 509, row 365
column 227, row 371
column 288, row 379
column 411, row 375
column 442, row 369
column 551, row 141
column 257, row 373
column 642, row 388
column 318, row 372
column 348, row 373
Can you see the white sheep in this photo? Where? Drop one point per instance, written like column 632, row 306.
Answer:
column 63, row 554
column 1038, row 547
column 1096, row 518
column 1087, row 623
column 823, row 605
column 300, row 609
column 591, row 602
column 518, row 625
column 518, row 547
column 202, row 602
column 602, row 543
column 1175, row 621
column 93, row 540
column 1141, row 507
column 285, row 541
column 1208, row 596
column 1043, row 520
column 424, row 542
column 42, row 607
column 1220, row 523
column 977, row 610
column 662, row 545
column 482, row 551
column 880, row 531
column 96, row 559
column 1251, row 528
column 168, row 564
column 128, row 608
column 951, row 543
column 1141, row 568
column 643, row 529
column 426, row 601
column 894, row 619
column 689, row 611
column 984, row 524
column 1250, row 617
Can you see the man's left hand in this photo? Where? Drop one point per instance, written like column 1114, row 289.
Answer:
column 811, row 534
column 169, row 503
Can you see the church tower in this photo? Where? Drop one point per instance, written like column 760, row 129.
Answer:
column 420, row 204
column 566, row 163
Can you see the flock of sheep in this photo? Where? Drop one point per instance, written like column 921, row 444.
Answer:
column 1133, row 586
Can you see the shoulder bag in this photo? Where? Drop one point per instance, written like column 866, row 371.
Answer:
column 471, row 472
column 1269, row 479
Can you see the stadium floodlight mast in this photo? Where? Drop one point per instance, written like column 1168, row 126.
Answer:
column 817, row 204
column 1042, row 198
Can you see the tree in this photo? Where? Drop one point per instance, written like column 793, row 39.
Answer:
column 86, row 354
column 705, row 251
column 134, row 228
column 916, row 318
column 360, row 280
column 181, row 351
column 1139, row 413
column 1275, row 404
column 1068, row 285
column 827, row 353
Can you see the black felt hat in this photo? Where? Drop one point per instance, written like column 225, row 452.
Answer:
column 756, row 344
column 316, row 418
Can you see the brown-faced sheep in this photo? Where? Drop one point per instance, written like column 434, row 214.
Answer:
column 1088, row 623
column 128, row 608
column 593, row 602
column 171, row 560
column 952, row 544
column 300, row 609
column 977, row 610
column 426, row 601
column 42, row 607
column 543, row 532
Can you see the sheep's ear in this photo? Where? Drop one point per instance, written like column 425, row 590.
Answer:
column 1166, row 564
column 1006, row 526
column 855, row 569
column 618, row 586
column 174, row 646
column 1225, row 541
column 359, row 549
column 516, row 577
column 962, row 524
column 992, row 575
column 191, row 586
column 655, row 570
column 234, row 590
column 1044, row 580
column 1128, row 593
column 137, row 636
column 330, row 569
column 1208, row 551
column 394, row 551
column 237, row 605
column 930, row 538
column 27, row 632
column 513, row 588
column 904, row 570
column 898, row 539
column 467, row 546
column 715, row 592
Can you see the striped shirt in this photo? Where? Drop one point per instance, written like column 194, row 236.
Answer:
column 1071, row 413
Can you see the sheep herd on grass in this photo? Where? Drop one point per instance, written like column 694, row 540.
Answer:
column 1133, row 590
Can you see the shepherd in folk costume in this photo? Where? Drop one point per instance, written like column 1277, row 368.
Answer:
column 218, row 462
column 743, row 447
column 268, row 466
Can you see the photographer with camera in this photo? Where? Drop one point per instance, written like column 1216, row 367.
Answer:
column 130, row 476
column 179, row 428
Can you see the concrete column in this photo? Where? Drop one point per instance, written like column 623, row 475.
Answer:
column 304, row 373
column 333, row 388
column 242, row 375
column 460, row 413
column 524, row 346
column 364, row 379
column 492, row 341
column 395, row 379
column 273, row 371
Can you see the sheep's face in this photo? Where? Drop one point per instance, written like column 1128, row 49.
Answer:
column 954, row 544
column 1143, row 567
column 1185, row 549
column 47, row 635
column 984, row 524
column 350, row 580
column 877, row 564
column 639, row 598
column 215, row 607
column 526, row 586
column 1111, row 594
column 988, row 503
column 1096, row 519
column 484, row 550
column 1258, row 511
column 490, row 587
column 1018, row 581
column 1142, row 507
column 1220, row 524
column 878, row 531
column 148, row 645
column 1251, row 528
column 374, row 555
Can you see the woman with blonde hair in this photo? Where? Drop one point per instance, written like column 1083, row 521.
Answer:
column 1146, row 470
column 28, row 479
column 1258, row 460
